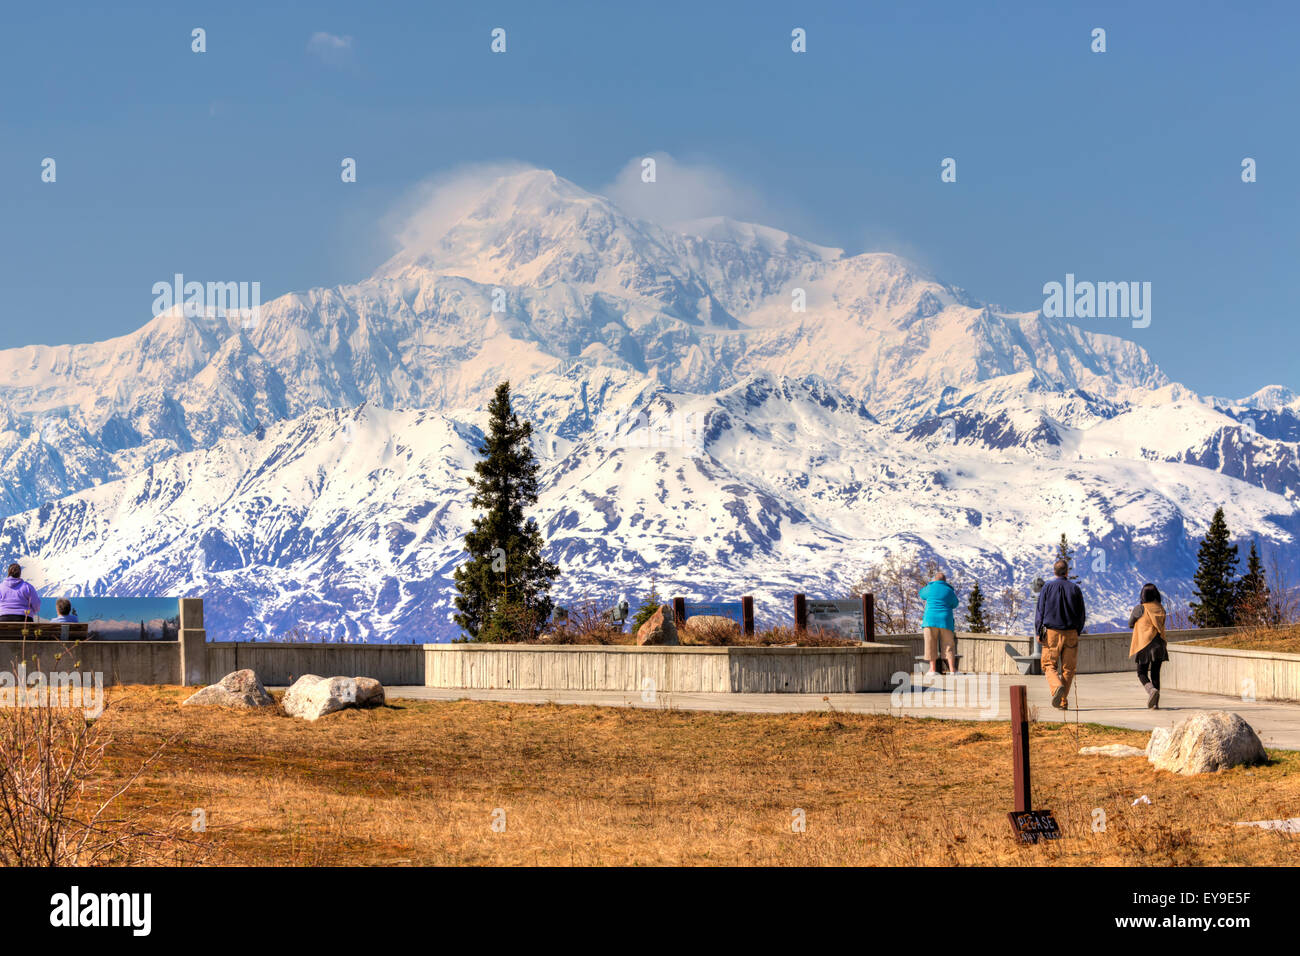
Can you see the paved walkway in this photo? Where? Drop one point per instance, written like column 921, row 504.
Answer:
column 1115, row 700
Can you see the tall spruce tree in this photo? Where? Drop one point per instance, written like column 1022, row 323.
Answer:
column 1066, row 553
column 504, row 585
column 975, row 622
column 1216, row 573
column 1252, row 591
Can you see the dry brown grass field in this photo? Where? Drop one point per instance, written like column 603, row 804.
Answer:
column 1285, row 640
column 419, row 782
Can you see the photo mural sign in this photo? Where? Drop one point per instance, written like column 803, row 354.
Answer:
column 843, row 617
column 123, row 618
column 732, row 610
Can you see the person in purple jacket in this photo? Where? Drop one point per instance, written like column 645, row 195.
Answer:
column 18, row 599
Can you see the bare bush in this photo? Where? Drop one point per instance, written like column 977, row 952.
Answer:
column 729, row 634
column 895, row 583
column 1283, row 606
column 587, row 622
column 52, row 813
column 711, row 631
column 812, row 637
column 1178, row 618
column 1008, row 611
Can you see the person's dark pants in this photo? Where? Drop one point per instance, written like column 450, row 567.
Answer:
column 15, row 619
column 1154, row 678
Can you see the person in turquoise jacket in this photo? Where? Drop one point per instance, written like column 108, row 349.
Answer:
column 937, row 623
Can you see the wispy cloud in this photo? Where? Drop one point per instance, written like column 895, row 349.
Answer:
column 683, row 191
column 435, row 205
column 331, row 48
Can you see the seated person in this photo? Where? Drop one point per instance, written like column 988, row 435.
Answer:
column 19, row 601
column 66, row 614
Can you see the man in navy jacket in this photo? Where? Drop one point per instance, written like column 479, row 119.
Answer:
column 1058, row 622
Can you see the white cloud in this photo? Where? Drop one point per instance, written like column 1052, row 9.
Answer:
column 437, row 204
column 330, row 48
column 683, row 191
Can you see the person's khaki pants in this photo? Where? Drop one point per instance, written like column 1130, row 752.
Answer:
column 935, row 637
column 1060, row 651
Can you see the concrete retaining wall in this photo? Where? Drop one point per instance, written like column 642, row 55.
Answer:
column 282, row 664
column 1264, row 675
column 121, row 662
column 980, row 653
column 803, row 670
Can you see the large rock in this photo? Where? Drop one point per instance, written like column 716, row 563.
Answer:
column 241, row 690
column 313, row 697
column 1204, row 743
column 659, row 629
column 294, row 698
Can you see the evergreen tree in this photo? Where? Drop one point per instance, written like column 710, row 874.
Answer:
column 649, row 604
column 1252, row 591
column 505, row 582
column 1066, row 553
column 1216, row 572
column 975, row 622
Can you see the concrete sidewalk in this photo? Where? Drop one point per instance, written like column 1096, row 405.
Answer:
column 1115, row 700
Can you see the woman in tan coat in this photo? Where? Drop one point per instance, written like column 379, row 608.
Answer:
column 1148, row 645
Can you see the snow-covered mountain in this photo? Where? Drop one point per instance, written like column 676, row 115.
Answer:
column 724, row 406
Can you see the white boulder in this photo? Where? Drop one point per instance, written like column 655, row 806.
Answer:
column 313, row 697
column 1204, row 743
column 241, row 690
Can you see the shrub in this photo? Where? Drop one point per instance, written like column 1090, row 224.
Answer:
column 711, row 632
column 587, row 623
column 813, row 637
column 511, row 623
column 53, row 812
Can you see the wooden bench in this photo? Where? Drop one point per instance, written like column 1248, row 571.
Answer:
column 44, row 631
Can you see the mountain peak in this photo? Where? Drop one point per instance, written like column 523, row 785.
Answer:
column 528, row 228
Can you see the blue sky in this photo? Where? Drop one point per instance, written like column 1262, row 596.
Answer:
column 1123, row 165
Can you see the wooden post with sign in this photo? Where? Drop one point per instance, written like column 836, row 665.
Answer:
column 747, row 614
column 869, row 617
column 679, row 612
column 1029, row 825
column 800, row 613
column 1020, row 745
